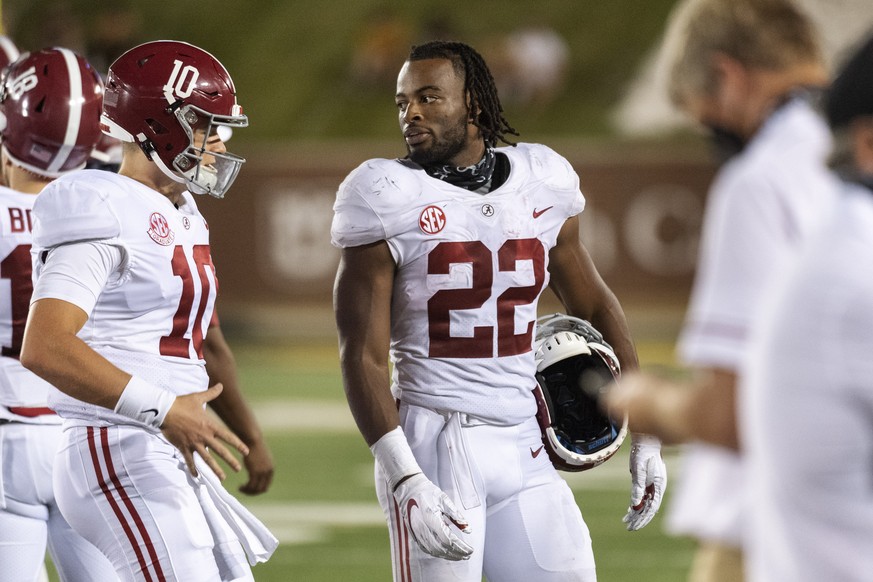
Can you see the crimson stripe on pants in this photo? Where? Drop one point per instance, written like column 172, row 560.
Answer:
column 115, row 508
column 125, row 499
column 402, row 546
column 104, row 434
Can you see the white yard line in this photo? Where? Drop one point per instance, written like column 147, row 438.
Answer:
column 305, row 522
column 304, row 416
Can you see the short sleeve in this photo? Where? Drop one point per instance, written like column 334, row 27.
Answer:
column 355, row 223
column 557, row 174
column 77, row 273
column 746, row 243
column 71, row 211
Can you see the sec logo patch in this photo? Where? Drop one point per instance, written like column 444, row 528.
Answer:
column 432, row 220
column 159, row 230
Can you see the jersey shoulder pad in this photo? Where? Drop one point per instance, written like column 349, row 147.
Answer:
column 545, row 164
column 76, row 207
column 368, row 197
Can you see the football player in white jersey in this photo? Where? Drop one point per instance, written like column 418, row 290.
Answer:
column 50, row 105
column 444, row 256
column 751, row 71
column 807, row 408
column 122, row 324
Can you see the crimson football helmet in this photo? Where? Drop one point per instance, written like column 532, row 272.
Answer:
column 50, row 105
column 574, row 364
column 169, row 97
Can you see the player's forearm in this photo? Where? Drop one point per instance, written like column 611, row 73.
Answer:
column 369, row 396
column 52, row 350
column 609, row 318
column 230, row 406
column 77, row 370
column 364, row 365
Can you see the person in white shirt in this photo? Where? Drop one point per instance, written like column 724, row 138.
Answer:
column 444, row 256
column 807, row 406
column 50, row 127
column 751, row 71
column 122, row 324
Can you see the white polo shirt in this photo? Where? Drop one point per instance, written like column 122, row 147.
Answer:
column 762, row 205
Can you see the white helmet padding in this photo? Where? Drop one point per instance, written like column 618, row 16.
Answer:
column 574, row 364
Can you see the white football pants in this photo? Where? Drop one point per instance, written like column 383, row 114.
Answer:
column 29, row 516
column 129, row 493
column 526, row 524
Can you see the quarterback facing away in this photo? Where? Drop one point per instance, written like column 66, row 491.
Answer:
column 444, row 256
column 122, row 325
column 50, row 105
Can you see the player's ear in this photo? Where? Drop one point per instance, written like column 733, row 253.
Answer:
column 473, row 109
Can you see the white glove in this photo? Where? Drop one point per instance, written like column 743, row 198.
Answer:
column 427, row 511
column 648, row 481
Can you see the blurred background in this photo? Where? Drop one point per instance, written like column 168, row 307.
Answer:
column 317, row 82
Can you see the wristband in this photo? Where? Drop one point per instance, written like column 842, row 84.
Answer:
column 394, row 456
column 144, row 402
column 643, row 439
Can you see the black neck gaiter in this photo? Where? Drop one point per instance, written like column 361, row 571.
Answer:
column 476, row 178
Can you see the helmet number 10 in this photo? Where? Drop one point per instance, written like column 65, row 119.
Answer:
column 182, row 81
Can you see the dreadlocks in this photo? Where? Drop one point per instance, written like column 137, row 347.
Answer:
column 478, row 84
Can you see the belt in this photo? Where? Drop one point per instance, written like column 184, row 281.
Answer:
column 30, row 412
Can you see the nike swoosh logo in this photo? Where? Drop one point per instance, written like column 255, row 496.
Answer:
column 535, row 453
column 152, row 410
column 538, row 213
column 410, row 505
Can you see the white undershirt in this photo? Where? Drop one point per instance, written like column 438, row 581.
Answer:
column 78, row 273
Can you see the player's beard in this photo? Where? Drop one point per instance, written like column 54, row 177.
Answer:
column 453, row 142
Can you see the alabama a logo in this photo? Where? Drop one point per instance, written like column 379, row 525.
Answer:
column 432, row 220
column 159, row 230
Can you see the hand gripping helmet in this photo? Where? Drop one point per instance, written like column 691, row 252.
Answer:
column 50, row 105
column 574, row 364
column 159, row 94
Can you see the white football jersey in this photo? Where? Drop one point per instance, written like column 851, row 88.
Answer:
column 19, row 387
column 152, row 314
column 470, row 270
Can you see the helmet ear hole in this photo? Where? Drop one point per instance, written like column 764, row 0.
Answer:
column 156, row 127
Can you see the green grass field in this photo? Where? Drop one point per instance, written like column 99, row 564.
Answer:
column 322, row 505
